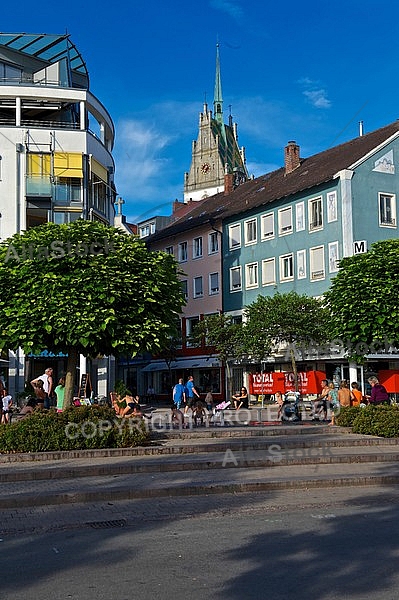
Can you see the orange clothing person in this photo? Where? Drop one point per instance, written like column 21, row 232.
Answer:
column 356, row 394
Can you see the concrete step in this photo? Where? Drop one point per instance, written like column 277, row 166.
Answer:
column 225, row 479
column 182, row 464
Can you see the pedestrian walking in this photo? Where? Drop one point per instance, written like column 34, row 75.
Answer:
column 179, row 394
column 191, row 393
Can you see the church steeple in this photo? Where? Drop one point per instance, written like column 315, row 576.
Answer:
column 215, row 150
column 218, row 99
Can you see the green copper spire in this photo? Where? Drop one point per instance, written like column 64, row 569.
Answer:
column 218, row 100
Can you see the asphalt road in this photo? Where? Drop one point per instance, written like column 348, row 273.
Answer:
column 309, row 544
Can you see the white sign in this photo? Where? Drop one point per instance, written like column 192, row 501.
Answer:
column 360, row 247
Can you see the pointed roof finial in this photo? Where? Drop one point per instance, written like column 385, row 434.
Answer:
column 218, row 99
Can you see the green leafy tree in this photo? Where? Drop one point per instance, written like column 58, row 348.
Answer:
column 363, row 300
column 225, row 336
column 86, row 288
column 296, row 322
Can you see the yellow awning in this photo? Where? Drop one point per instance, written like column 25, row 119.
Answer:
column 68, row 164
column 98, row 169
column 39, row 165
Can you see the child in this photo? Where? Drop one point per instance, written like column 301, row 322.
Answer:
column 356, row 394
column 40, row 394
column 198, row 414
column 209, row 400
column 7, row 402
column 177, row 418
column 60, row 392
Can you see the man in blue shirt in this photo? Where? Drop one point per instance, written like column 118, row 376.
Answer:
column 179, row 394
column 191, row 393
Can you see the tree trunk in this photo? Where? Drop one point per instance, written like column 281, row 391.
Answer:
column 294, row 369
column 229, row 382
column 70, row 376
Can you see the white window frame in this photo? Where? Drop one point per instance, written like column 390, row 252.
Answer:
column 251, row 231
column 286, row 259
column 301, row 264
column 198, row 293
column 213, row 242
column 267, row 233
column 315, row 219
column 300, row 216
column 286, row 229
column 332, row 207
column 251, row 275
column 317, row 274
column 234, row 270
column 182, row 252
column 265, row 263
column 197, row 247
column 235, row 236
column 333, row 257
column 213, row 289
column 169, row 250
column 387, row 216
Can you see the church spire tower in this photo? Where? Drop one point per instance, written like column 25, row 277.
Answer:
column 218, row 98
column 216, row 151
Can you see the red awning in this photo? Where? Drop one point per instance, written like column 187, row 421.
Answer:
column 390, row 380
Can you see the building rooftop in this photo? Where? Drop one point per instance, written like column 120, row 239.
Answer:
column 276, row 185
column 46, row 47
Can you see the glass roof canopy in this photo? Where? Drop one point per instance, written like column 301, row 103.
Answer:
column 50, row 48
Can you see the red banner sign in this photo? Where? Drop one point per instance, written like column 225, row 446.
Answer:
column 309, row 382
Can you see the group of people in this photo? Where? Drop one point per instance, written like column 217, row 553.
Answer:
column 332, row 397
column 345, row 396
column 186, row 397
column 129, row 406
column 45, row 391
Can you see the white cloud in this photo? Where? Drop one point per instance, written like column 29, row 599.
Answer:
column 318, row 98
column 147, row 144
column 231, row 8
column 316, row 95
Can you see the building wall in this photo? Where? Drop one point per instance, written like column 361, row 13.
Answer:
column 374, row 176
column 301, row 241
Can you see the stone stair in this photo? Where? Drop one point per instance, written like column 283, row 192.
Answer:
column 202, row 461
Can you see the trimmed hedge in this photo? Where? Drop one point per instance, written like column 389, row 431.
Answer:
column 77, row 428
column 382, row 421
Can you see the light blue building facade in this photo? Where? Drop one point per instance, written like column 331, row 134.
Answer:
column 291, row 227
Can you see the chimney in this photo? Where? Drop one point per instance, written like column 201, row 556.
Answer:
column 291, row 157
column 228, row 183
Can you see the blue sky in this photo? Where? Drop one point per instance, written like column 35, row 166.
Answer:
column 307, row 71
